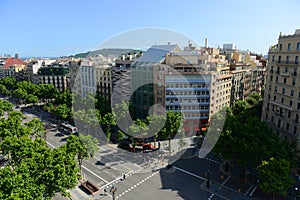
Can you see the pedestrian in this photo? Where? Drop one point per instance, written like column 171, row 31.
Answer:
column 124, row 176
column 158, row 144
column 105, row 191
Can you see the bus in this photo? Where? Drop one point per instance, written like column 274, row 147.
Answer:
column 69, row 128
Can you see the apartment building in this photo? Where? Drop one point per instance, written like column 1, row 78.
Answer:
column 53, row 74
column 95, row 75
column 281, row 105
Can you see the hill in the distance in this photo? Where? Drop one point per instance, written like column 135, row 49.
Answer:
column 113, row 53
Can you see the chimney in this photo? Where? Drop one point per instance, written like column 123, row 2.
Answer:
column 16, row 56
column 206, row 43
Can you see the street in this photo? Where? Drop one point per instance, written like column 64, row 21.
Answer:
column 185, row 180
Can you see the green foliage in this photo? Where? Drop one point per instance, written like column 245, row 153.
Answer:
column 47, row 91
column 5, row 106
column 63, row 111
column 64, row 97
column 249, row 141
column 172, row 126
column 8, row 82
column 83, row 147
column 32, row 99
column 34, row 170
column 275, row 176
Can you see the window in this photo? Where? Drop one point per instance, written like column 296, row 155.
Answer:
column 283, row 90
column 287, row 61
column 296, row 59
column 298, row 46
column 274, row 98
column 295, row 130
column 289, row 47
column 292, row 93
column 282, row 100
column 280, row 47
column 289, row 114
column 275, row 89
column 298, row 106
column 287, row 127
column 286, row 69
column 272, row 119
column 284, row 80
column 294, row 81
column 276, row 79
column 273, row 58
column 279, row 59
column 271, row 78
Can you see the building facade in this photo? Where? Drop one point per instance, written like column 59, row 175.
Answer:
column 281, row 105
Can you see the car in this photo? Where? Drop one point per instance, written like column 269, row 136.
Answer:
column 17, row 106
column 148, row 147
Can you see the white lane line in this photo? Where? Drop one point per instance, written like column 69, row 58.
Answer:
column 190, row 173
column 253, row 191
column 50, row 144
column 94, row 174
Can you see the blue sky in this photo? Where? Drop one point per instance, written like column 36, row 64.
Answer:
column 64, row 27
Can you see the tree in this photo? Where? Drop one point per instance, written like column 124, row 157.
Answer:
column 47, row 92
column 155, row 124
column 121, row 113
column 248, row 141
column 20, row 94
column 172, row 126
column 83, row 147
column 121, row 135
column 32, row 99
column 275, row 176
column 5, row 106
column 3, row 90
column 36, row 128
column 8, row 82
column 63, row 111
column 102, row 104
column 64, row 97
column 34, row 171
column 108, row 120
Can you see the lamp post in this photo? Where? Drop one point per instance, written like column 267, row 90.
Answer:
column 208, row 177
column 113, row 191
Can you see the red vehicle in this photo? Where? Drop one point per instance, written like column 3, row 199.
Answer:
column 148, row 147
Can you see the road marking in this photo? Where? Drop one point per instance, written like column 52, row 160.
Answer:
column 120, row 156
column 252, row 191
column 134, row 186
column 249, row 189
column 50, row 144
column 225, row 181
column 190, row 173
column 94, row 174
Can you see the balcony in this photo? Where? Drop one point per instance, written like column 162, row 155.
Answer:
column 285, row 73
column 282, row 105
column 282, row 62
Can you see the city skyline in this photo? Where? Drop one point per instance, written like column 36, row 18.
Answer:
column 32, row 28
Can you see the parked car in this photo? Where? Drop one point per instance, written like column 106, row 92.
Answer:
column 148, row 147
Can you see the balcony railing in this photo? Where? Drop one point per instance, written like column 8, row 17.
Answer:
column 285, row 73
column 285, row 62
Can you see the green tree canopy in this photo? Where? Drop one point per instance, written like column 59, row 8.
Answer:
column 275, row 176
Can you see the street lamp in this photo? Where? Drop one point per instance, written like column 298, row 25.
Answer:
column 208, row 177
column 113, row 191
